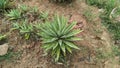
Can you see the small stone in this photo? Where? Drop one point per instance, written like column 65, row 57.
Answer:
column 59, row 63
column 3, row 49
column 101, row 10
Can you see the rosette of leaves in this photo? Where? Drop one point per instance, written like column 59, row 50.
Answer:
column 14, row 14
column 24, row 8
column 58, row 37
column 25, row 29
column 5, row 4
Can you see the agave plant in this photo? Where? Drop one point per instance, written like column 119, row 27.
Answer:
column 23, row 8
column 6, row 4
column 34, row 9
column 14, row 14
column 24, row 28
column 44, row 15
column 58, row 37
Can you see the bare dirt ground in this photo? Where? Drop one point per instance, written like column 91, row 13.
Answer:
column 94, row 36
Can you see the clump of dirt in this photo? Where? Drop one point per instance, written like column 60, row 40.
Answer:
column 94, row 35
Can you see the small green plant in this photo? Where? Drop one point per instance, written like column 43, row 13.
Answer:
column 4, row 4
column 58, row 37
column 44, row 15
column 34, row 9
column 8, row 56
column 34, row 13
column 23, row 8
column 14, row 14
column 98, row 3
column 106, row 4
column 116, row 50
column 24, row 28
column 110, row 15
column 110, row 4
column 108, row 18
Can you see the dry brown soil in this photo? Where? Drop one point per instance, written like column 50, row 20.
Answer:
column 94, row 35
